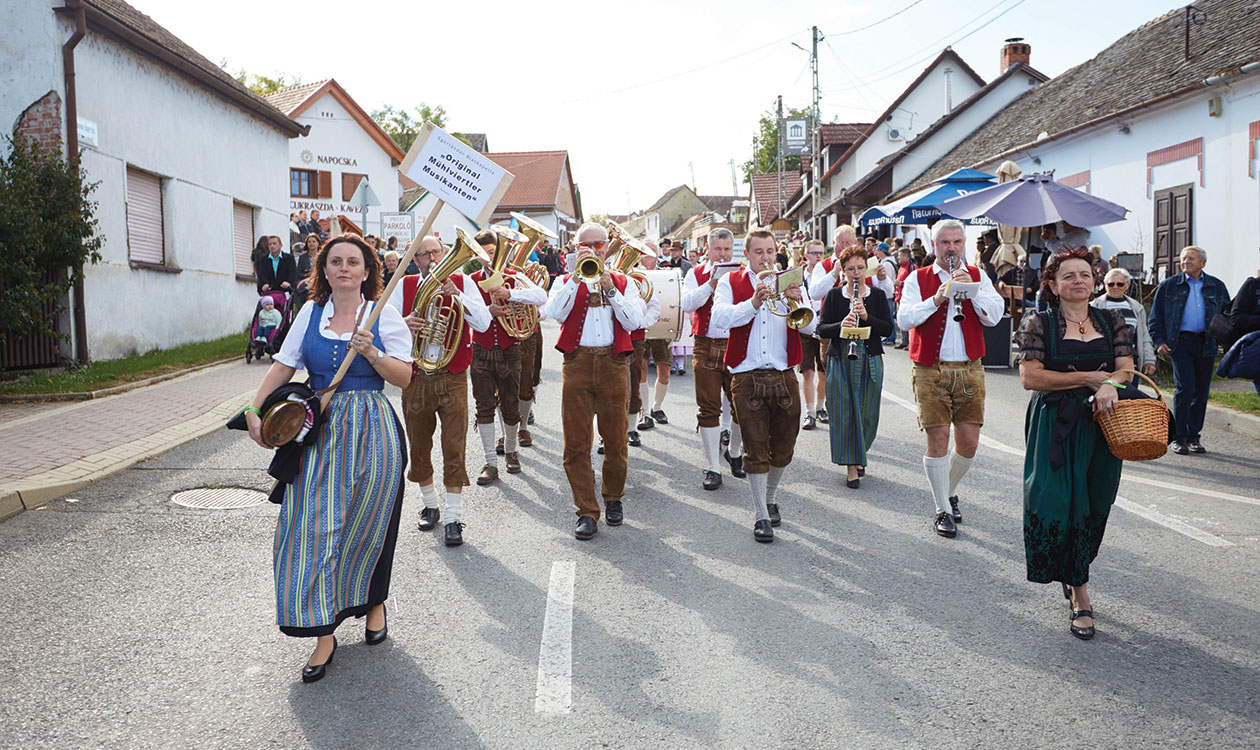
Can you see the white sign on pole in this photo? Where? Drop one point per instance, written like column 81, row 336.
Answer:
column 461, row 177
column 469, row 182
column 400, row 225
column 364, row 196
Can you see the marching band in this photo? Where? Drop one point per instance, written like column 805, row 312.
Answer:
column 752, row 332
column 753, row 325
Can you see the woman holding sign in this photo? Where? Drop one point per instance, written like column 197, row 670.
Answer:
column 334, row 545
column 855, row 366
